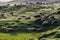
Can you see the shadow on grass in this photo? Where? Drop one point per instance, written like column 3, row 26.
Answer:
column 22, row 28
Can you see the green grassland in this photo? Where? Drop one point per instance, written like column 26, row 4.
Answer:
column 15, row 20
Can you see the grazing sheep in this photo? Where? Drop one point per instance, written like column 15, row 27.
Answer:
column 7, row 29
column 35, row 29
column 26, row 17
column 58, row 9
column 31, row 29
column 46, row 18
column 39, row 29
column 11, row 13
column 37, row 16
column 38, row 21
column 53, row 21
column 51, row 17
column 46, row 22
column 58, row 12
column 1, row 15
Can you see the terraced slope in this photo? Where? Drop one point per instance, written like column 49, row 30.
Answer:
column 30, row 22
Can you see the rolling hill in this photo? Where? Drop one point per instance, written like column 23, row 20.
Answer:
column 29, row 22
column 22, row 1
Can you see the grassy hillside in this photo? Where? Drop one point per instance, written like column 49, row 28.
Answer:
column 30, row 22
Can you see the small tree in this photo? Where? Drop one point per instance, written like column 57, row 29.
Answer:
column 8, row 4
